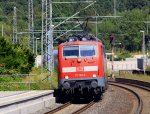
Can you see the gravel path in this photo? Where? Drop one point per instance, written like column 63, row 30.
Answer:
column 115, row 101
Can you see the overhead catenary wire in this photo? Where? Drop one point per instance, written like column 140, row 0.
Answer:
column 74, row 15
column 67, row 31
column 74, row 2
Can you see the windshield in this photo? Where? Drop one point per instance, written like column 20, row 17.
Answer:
column 79, row 51
column 71, row 51
column 87, row 50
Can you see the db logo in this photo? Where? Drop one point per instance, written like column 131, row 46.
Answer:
column 79, row 69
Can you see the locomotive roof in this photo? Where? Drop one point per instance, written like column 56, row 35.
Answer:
column 81, row 42
column 82, row 38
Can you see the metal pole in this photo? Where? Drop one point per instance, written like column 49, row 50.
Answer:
column 147, row 47
column 96, row 27
column 143, row 50
column 51, row 28
column 50, row 43
column 112, row 60
column 32, row 21
column 147, row 22
column 2, row 31
column 14, row 26
column 147, row 29
column 29, row 12
column 46, row 29
column 36, row 46
column 50, row 51
column 42, row 36
column 36, row 52
column 115, row 8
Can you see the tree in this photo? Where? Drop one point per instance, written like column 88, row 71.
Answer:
column 14, row 58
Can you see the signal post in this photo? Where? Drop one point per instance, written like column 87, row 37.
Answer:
column 111, row 36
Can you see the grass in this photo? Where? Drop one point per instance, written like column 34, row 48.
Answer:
column 44, row 81
column 39, row 81
column 12, row 83
column 141, row 77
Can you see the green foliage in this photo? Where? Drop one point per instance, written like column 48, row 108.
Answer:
column 133, row 13
column 13, row 83
column 14, row 59
column 126, row 29
column 137, row 4
column 123, row 55
column 131, row 26
column 147, row 68
column 10, row 79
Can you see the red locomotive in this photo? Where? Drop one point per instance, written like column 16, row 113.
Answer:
column 81, row 66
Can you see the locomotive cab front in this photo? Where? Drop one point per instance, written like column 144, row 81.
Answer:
column 81, row 67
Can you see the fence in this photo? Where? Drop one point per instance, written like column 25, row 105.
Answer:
column 17, row 81
column 122, row 65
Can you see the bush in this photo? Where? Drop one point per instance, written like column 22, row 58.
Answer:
column 148, row 68
column 14, row 58
column 123, row 55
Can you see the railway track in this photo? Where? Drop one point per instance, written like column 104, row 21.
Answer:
column 140, row 102
column 59, row 108
column 69, row 106
column 84, row 108
column 79, row 109
column 138, row 90
column 141, row 91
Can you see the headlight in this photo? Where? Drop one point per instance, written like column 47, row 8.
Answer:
column 66, row 85
column 66, row 77
column 94, row 75
column 94, row 84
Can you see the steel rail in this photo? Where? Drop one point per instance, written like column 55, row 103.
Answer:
column 140, row 102
column 67, row 104
column 138, row 83
column 135, row 85
column 114, row 83
column 84, row 108
column 59, row 108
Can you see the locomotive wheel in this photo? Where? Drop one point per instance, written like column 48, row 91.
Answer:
column 97, row 97
column 61, row 96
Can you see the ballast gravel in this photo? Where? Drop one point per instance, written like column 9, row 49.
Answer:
column 114, row 101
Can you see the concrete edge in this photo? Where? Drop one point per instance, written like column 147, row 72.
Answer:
column 31, row 107
column 25, row 98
